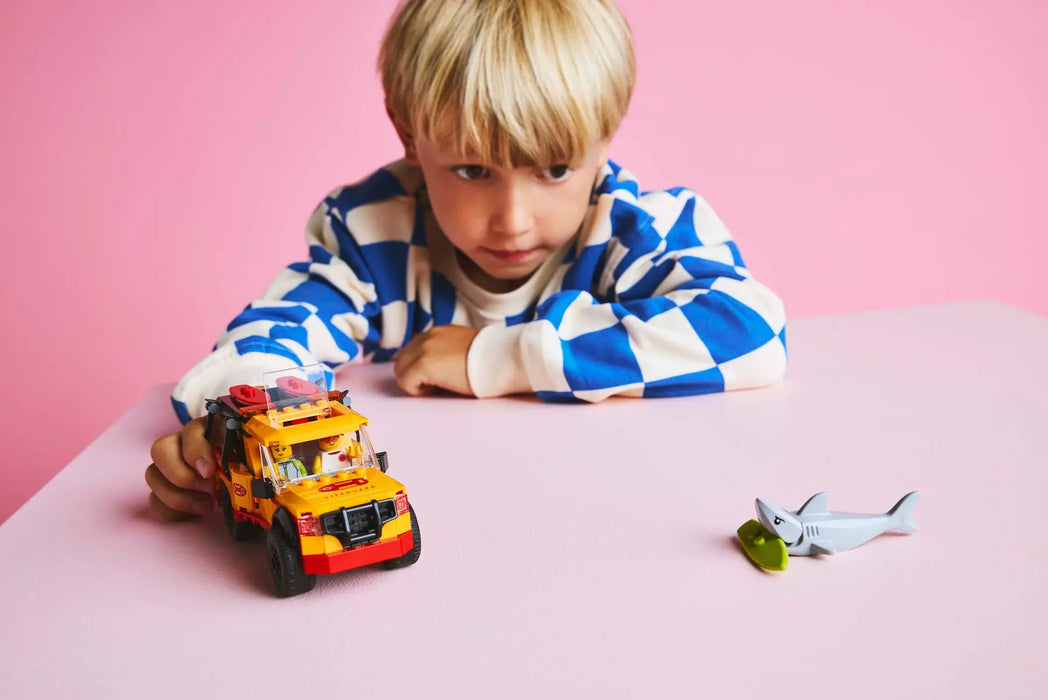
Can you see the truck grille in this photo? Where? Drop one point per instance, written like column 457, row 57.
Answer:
column 360, row 524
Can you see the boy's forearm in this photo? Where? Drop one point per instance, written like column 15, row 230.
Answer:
column 312, row 312
column 495, row 363
column 728, row 337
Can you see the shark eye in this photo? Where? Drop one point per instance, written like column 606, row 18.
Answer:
column 778, row 521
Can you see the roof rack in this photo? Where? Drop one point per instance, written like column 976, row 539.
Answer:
column 285, row 403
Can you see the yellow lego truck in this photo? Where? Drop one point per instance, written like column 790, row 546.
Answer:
column 295, row 460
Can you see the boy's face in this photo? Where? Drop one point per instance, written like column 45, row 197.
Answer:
column 506, row 222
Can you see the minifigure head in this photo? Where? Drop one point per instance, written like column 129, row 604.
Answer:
column 507, row 106
column 327, row 444
column 281, row 452
column 780, row 522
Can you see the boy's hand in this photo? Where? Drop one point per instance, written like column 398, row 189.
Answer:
column 181, row 472
column 435, row 359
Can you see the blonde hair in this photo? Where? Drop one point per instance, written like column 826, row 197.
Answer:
column 511, row 82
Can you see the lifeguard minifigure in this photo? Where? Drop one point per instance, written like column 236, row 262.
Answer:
column 333, row 457
column 330, row 458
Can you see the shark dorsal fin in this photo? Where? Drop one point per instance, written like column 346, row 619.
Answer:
column 819, row 504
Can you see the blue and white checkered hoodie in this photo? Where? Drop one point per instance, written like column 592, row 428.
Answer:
column 650, row 299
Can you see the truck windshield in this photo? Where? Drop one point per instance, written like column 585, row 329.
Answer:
column 290, row 464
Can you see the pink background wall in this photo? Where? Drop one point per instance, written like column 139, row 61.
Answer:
column 160, row 160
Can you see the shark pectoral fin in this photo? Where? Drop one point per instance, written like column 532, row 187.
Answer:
column 819, row 504
column 822, row 548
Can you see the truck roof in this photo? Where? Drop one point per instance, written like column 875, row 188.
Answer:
column 278, row 414
column 311, row 421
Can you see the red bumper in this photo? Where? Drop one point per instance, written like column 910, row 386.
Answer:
column 359, row 556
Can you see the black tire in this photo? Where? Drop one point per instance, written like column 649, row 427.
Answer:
column 239, row 531
column 285, row 564
column 412, row 556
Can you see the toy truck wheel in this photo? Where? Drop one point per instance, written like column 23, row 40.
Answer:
column 286, row 565
column 239, row 531
column 412, row 556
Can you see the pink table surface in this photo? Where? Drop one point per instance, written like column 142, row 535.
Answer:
column 574, row 550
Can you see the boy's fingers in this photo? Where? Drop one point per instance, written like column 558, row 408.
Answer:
column 165, row 512
column 196, row 450
column 413, row 380
column 407, row 355
column 166, row 454
column 175, row 498
column 406, row 378
column 435, row 360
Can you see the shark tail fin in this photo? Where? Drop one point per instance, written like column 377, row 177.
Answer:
column 902, row 513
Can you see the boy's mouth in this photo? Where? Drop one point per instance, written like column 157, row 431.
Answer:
column 512, row 257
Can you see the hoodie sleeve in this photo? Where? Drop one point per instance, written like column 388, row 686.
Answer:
column 661, row 304
column 349, row 302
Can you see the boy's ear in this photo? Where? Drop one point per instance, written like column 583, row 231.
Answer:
column 404, row 133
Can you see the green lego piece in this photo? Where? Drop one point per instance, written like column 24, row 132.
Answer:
column 765, row 549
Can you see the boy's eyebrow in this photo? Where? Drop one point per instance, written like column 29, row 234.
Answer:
column 447, row 155
column 444, row 154
column 523, row 166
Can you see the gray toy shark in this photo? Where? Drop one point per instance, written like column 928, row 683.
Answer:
column 815, row 530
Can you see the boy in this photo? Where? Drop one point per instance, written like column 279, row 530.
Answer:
column 504, row 254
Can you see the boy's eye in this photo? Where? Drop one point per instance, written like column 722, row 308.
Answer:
column 556, row 173
column 470, row 172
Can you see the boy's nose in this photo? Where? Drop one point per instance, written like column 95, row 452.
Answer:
column 514, row 211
